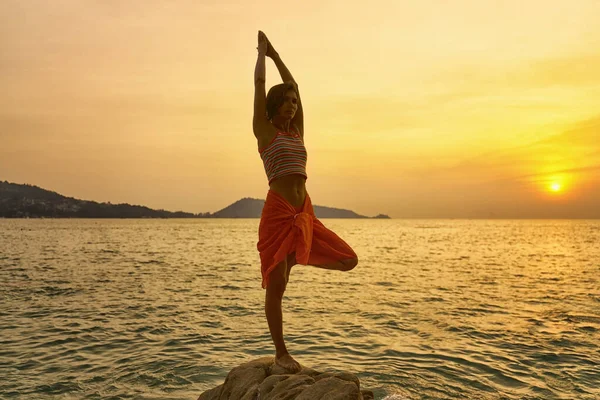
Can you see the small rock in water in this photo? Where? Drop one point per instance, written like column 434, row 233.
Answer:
column 263, row 379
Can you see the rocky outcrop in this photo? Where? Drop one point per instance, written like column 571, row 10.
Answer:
column 262, row 379
column 252, row 208
column 28, row 201
column 382, row 216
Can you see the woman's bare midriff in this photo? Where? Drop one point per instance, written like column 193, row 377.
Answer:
column 291, row 187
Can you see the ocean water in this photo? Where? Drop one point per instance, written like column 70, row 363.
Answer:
column 436, row 309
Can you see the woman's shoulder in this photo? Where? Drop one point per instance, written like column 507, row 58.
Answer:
column 266, row 135
column 297, row 130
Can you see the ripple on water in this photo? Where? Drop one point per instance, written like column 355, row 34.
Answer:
column 59, row 388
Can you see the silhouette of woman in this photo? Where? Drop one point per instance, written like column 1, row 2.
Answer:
column 289, row 233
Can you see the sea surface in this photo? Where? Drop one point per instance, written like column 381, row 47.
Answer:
column 436, row 309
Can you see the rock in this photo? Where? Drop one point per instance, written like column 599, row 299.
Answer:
column 212, row 394
column 309, row 371
column 367, row 394
column 277, row 370
column 331, row 389
column 346, row 376
column 264, row 380
column 289, row 388
column 269, row 383
column 242, row 382
column 324, row 375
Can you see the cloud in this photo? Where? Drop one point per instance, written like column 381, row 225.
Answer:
column 575, row 70
column 584, row 134
column 579, row 70
column 366, row 113
column 574, row 151
column 592, row 170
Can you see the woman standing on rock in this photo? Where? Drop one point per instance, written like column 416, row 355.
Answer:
column 289, row 233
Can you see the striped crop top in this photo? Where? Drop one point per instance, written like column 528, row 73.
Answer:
column 285, row 155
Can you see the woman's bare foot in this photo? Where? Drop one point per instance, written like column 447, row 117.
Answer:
column 288, row 363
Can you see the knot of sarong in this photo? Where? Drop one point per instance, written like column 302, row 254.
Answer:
column 303, row 222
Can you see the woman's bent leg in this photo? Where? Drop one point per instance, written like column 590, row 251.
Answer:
column 341, row 265
column 274, row 294
column 329, row 251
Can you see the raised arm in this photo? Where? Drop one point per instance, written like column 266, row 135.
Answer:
column 286, row 76
column 260, row 121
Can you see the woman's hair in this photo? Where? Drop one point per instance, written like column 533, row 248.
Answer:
column 276, row 97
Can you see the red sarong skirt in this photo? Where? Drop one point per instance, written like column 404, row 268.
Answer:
column 284, row 229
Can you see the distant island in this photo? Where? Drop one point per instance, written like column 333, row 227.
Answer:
column 29, row 201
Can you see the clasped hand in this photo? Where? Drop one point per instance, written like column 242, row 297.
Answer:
column 264, row 45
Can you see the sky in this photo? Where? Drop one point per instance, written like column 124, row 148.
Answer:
column 414, row 109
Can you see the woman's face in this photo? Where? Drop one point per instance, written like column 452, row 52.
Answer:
column 289, row 106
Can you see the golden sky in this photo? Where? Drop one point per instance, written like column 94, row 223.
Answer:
column 412, row 108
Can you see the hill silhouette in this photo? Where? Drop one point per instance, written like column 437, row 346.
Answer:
column 252, row 208
column 29, row 201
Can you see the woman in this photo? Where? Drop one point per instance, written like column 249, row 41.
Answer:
column 289, row 232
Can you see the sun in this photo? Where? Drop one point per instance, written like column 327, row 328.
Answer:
column 555, row 187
